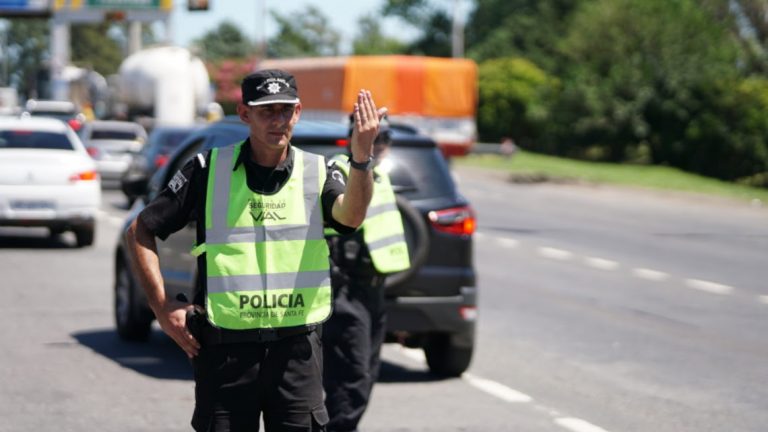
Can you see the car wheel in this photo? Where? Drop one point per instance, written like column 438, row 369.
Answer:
column 133, row 322
column 84, row 236
column 444, row 357
column 417, row 238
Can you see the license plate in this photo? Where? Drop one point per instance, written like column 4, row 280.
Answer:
column 32, row 205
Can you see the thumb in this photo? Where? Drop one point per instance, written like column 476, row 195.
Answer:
column 381, row 112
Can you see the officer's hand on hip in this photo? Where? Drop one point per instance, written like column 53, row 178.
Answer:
column 173, row 320
column 366, row 126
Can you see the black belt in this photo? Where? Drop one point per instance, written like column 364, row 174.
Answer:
column 213, row 336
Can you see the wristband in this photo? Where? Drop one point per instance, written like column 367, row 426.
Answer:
column 362, row 166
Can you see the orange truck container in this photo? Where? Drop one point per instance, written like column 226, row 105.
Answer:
column 437, row 96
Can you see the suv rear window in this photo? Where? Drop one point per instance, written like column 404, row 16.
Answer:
column 30, row 140
column 425, row 175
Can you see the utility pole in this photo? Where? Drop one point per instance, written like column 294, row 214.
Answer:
column 262, row 33
column 457, row 31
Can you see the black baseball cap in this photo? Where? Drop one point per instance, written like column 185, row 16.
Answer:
column 269, row 86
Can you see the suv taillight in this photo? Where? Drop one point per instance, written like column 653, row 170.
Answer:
column 456, row 220
column 161, row 160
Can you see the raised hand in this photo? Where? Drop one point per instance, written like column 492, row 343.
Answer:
column 366, row 126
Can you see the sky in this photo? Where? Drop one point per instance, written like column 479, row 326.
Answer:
column 247, row 15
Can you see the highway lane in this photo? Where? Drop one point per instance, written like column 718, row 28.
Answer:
column 564, row 343
column 586, row 334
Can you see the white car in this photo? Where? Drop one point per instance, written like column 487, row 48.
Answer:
column 112, row 144
column 47, row 178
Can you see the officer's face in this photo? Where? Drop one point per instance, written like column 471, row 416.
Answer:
column 270, row 125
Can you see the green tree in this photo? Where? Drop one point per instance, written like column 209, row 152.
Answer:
column 27, row 54
column 635, row 68
column 433, row 23
column 370, row 40
column 514, row 100
column 92, row 47
column 519, row 28
column 226, row 41
column 307, row 34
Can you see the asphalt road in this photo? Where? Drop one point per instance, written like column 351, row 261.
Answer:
column 600, row 310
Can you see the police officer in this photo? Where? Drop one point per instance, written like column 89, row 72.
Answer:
column 353, row 336
column 263, row 263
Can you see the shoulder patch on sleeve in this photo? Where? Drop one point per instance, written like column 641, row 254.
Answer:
column 201, row 159
column 338, row 176
column 177, row 182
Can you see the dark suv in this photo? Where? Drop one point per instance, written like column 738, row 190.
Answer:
column 432, row 305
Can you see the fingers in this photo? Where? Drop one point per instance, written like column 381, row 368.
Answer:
column 174, row 323
column 187, row 342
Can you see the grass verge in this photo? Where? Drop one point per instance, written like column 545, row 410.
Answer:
column 542, row 167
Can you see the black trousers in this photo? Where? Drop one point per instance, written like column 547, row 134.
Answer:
column 235, row 383
column 352, row 340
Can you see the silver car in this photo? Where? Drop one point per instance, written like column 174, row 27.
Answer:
column 112, row 144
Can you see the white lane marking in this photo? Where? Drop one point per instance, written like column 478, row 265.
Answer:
column 763, row 299
column 553, row 253
column 578, row 425
column 711, row 287
column 495, row 389
column 649, row 274
column 601, row 263
column 508, row 242
column 508, row 394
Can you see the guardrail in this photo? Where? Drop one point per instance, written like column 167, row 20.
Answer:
column 486, row 148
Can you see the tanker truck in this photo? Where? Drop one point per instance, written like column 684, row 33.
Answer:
column 163, row 85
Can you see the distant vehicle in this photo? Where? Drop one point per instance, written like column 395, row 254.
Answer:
column 162, row 141
column 112, row 144
column 163, row 85
column 432, row 305
column 435, row 95
column 47, row 178
column 63, row 110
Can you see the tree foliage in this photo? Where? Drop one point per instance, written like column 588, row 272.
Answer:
column 370, row 40
column 27, row 53
column 224, row 42
column 513, row 100
column 527, row 28
column 91, row 47
column 433, row 23
column 302, row 35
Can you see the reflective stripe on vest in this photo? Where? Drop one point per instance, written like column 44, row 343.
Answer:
column 383, row 225
column 266, row 256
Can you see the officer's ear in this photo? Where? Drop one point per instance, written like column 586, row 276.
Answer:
column 243, row 112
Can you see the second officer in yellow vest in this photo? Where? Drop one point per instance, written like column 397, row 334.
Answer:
column 263, row 263
column 353, row 336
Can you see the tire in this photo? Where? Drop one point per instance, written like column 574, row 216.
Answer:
column 133, row 321
column 417, row 239
column 445, row 358
column 84, row 236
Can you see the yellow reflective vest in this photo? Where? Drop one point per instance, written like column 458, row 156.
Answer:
column 266, row 256
column 382, row 228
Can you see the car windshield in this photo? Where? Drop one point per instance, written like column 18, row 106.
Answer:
column 113, row 135
column 17, row 139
